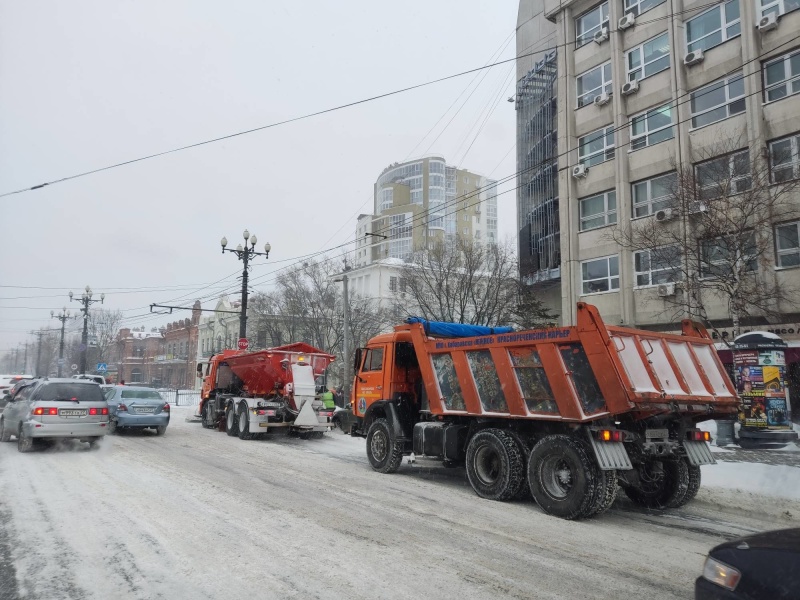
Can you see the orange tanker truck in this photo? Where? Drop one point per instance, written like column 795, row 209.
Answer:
column 252, row 393
column 566, row 414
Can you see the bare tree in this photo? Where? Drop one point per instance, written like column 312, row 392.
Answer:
column 464, row 282
column 307, row 305
column 711, row 236
column 103, row 329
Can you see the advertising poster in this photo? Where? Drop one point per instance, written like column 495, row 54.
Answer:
column 761, row 383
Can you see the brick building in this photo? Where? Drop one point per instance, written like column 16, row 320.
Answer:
column 137, row 350
column 176, row 366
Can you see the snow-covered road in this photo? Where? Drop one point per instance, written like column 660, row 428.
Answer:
column 196, row 514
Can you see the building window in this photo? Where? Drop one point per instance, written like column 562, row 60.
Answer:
column 600, row 275
column 651, row 127
column 728, row 255
column 637, row 7
column 593, row 83
column 784, row 157
column 782, row 76
column 787, row 241
column 596, row 147
column 779, row 7
column 436, row 166
column 648, row 59
column 590, row 23
column 403, row 284
column 713, row 27
column 435, row 180
column 660, row 265
column 599, row 210
column 136, row 376
column 723, row 176
column 652, row 195
column 392, row 284
column 717, row 101
column 387, row 196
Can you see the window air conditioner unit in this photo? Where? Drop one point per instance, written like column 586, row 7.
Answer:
column 768, row 22
column 693, row 58
column 666, row 214
column 579, row 171
column 601, row 35
column 602, row 99
column 697, row 207
column 627, row 21
column 665, row 289
column 630, row 88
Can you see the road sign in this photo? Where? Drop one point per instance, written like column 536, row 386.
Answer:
column 74, row 367
column 62, row 361
column 102, row 367
column 243, row 344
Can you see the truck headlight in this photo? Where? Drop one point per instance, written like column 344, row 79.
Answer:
column 721, row 574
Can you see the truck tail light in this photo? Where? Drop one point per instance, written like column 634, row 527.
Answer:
column 611, row 435
column 699, row 436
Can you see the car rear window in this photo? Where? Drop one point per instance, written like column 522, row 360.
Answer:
column 83, row 392
column 141, row 394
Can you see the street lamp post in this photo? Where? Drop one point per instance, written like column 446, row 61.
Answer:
column 245, row 254
column 346, row 338
column 63, row 316
column 86, row 300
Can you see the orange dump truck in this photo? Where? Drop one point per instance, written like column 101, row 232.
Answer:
column 566, row 414
column 250, row 393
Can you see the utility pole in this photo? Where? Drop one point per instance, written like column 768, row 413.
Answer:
column 63, row 317
column 245, row 254
column 346, row 337
column 39, row 335
column 86, row 301
column 25, row 360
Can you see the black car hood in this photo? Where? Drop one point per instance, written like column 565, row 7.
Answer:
column 783, row 539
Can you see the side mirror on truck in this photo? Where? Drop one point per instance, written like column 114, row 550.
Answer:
column 357, row 360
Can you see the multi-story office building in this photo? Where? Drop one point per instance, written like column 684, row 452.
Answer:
column 646, row 87
column 423, row 201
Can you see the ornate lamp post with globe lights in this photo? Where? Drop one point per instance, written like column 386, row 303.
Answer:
column 245, row 254
column 63, row 316
column 87, row 301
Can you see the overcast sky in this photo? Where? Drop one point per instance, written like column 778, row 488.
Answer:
column 89, row 83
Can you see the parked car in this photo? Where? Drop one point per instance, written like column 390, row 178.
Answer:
column 136, row 407
column 96, row 378
column 765, row 565
column 52, row 409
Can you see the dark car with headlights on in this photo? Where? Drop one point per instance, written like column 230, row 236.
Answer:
column 132, row 407
column 765, row 565
column 53, row 409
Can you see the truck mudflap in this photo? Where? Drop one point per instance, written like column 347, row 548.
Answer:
column 610, row 456
column 698, row 453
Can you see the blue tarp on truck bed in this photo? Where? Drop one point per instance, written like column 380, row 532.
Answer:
column 443, row 329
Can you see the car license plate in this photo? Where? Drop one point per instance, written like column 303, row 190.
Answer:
column 144, row 409
column 71, row 412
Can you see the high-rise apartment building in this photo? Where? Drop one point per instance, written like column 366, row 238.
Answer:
column 420, row 202
column 636, row 91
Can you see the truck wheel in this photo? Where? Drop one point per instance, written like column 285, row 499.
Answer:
column 524, row 444
column 495, row 467
column 384, row 452
column 667, row 489
column 244, row 423
column 564, row 478
column 5, row 433
column 607, row 493
column 230, row 420
column 694, row 483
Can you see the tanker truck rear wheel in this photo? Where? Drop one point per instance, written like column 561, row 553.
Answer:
column 384, row 452
column 230, row 420
column 664, row 487
column 564, row 479
column 495, row 466
column 243, row 423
